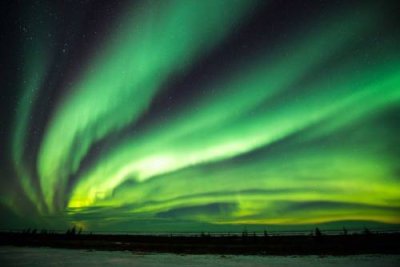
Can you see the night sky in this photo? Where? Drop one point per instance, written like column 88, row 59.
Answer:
column 184, row 115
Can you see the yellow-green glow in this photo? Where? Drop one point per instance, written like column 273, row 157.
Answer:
column 301, row 130
column 155, row 42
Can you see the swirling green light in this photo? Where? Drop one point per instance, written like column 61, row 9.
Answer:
column 155, row 41
column 295, row 133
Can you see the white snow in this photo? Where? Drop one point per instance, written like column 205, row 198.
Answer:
column 32, row 257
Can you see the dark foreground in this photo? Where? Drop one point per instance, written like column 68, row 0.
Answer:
column 50, row 257
column 233, row 244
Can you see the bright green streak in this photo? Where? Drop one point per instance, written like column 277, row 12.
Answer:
column 264, row 141
column 155, row 41
column 234, row 121
column 181, row 142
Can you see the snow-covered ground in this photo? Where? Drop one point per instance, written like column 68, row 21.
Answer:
column 32, row 257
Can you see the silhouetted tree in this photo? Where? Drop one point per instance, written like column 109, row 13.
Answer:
column 71, row 231
column 344, row 231
column 366, row 231
column 265, row 233
column 317, row 232
column 244, row 233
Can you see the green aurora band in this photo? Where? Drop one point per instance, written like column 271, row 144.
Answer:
column 269, row 141
column 163, row 41
column 36, row 50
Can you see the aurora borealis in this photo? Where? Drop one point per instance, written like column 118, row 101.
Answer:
column 181, row 114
